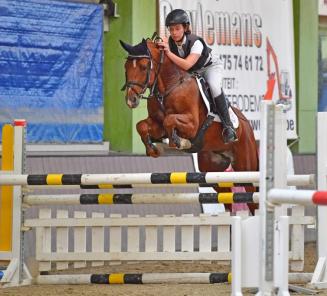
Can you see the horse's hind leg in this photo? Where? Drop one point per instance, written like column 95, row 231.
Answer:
column 148, row 130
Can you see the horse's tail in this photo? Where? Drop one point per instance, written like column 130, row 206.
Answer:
column 258, row 159
column 239, row 114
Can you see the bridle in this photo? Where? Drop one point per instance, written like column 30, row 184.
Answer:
column 146, row 84
column 154, row 92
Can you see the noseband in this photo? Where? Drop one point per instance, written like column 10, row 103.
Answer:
column 144, row 86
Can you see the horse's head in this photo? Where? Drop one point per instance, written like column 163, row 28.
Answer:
column 141, row 70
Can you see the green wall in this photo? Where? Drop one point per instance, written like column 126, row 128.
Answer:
column 134, row 23
column 306, row 64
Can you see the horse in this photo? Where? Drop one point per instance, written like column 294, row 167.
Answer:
column 177, row 111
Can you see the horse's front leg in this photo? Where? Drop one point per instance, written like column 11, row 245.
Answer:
column 180, row 125
column 148, row 130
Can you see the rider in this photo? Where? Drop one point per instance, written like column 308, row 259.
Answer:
column 190, row 52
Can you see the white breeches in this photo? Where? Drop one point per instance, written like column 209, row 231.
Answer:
column 214, row 76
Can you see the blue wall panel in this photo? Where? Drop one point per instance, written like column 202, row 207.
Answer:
column 51, row 69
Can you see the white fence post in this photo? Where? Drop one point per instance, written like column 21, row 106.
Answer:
column 319, row 279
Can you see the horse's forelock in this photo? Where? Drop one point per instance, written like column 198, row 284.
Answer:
column 151, row 44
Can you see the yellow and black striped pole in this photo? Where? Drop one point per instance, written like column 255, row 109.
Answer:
column 142, row 198
column 222, row 179
column 136, row 278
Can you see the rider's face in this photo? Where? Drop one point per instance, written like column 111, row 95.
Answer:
column 176, row 32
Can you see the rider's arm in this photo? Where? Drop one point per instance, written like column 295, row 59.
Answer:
column 184, row 63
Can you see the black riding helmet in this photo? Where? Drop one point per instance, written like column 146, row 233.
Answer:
column 177, row 16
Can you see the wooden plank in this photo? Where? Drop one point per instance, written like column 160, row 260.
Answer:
column 297, row 241
column 151, row 237
column 140, row 221
column 62, row 238
column 187, row 237
column 133, row 237
column 305, row 220
column 132, row 256
column 97, row 239
column 115, row 236
column 205, row 237
column 243, row 214
column 79, row 238
column 223, row 236
column 43, row 240
column 169, row 237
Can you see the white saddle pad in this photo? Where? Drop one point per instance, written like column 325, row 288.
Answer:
column 232, row 115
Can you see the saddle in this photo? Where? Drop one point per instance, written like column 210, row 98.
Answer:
column 205, row 91
column 208, row 101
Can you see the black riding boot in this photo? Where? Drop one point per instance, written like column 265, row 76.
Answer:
column 229, row 133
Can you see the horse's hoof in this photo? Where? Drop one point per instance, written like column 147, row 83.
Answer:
column 153, row 152
column 185, row 144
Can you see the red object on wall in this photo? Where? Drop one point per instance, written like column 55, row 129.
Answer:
column 270, row 87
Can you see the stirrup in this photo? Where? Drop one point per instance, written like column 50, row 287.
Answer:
column 232, row 138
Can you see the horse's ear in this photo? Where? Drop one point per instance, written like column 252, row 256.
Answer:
column 126, row 46
column 154, row 36
column 136, row 50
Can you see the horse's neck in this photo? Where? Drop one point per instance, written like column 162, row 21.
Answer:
column 169, row 75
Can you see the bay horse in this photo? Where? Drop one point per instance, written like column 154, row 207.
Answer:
column 177, row 111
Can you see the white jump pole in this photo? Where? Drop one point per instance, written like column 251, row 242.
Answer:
column 145, row 178
column 319, row 278
column 142, row 198
column 303, row 197
column 141, row 278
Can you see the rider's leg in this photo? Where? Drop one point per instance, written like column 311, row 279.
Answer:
column 213, row 75
column 229, row 133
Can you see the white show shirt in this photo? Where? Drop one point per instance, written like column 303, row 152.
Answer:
column 196, row 48
column 212, row 73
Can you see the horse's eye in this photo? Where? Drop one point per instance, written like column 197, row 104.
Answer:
column 142, row 67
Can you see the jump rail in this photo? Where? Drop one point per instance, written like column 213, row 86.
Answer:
column 138, row 278
column 292, row 180
column 144, row 178
column 303, row 197
column 141, row 198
